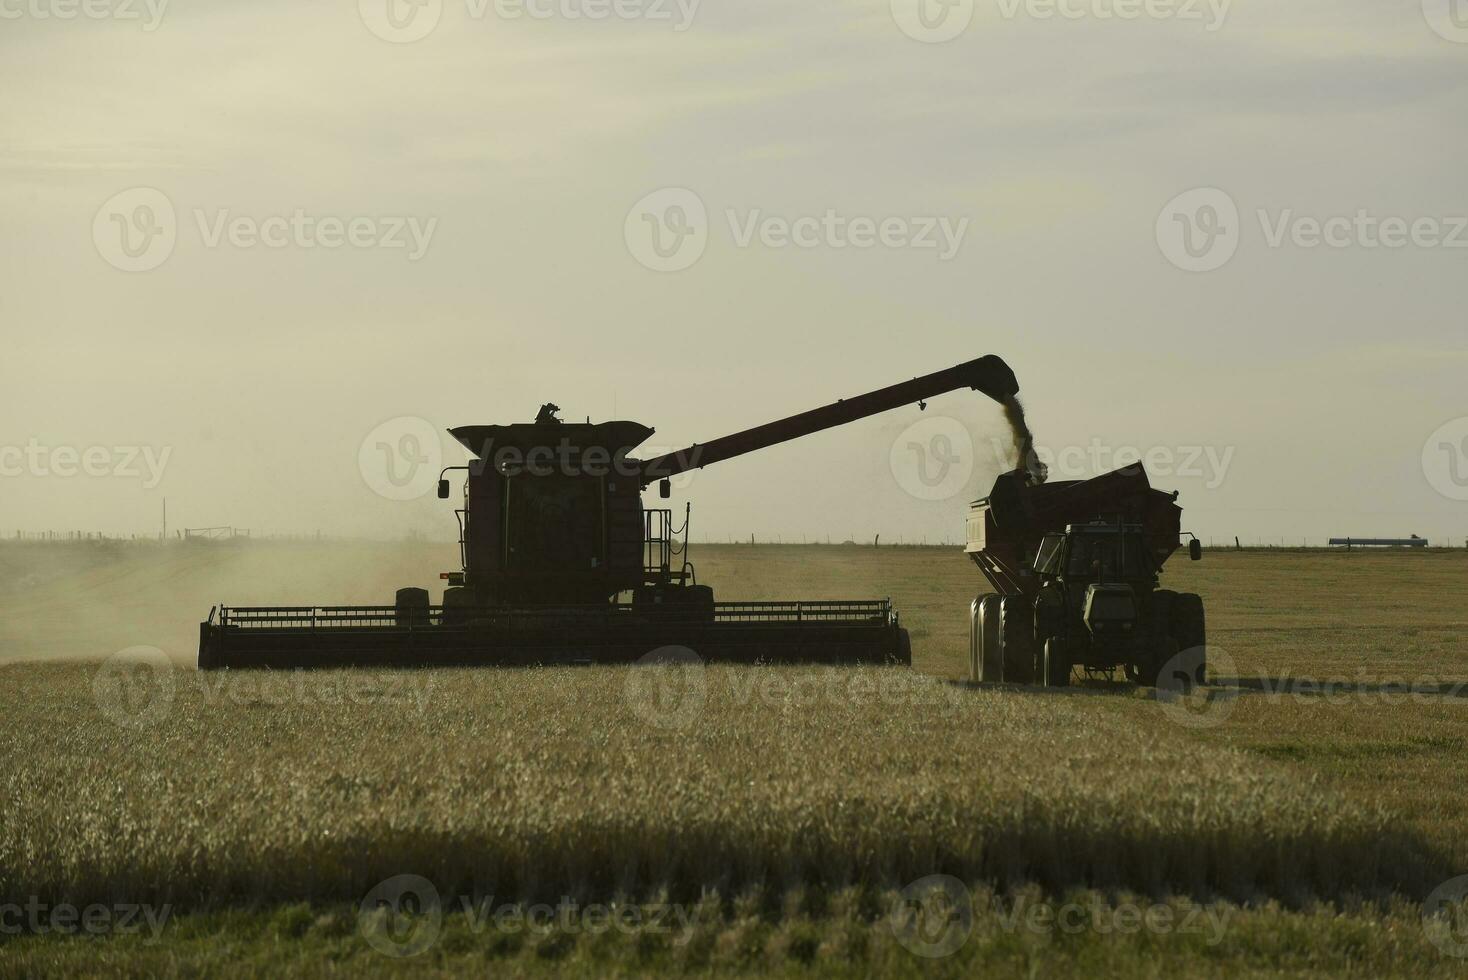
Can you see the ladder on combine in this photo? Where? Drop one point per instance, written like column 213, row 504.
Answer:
column 660, row 547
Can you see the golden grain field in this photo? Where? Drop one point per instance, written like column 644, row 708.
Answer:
column 253, row 786
column 792, row 788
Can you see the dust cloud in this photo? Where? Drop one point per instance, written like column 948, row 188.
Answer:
column 92, row 599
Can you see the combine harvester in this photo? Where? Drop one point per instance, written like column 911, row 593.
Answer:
column 1075, row 566
column 554, row 537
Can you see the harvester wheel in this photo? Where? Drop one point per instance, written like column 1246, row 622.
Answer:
column 1190, row 628
column 903, row 654
column 1017, row 640
column 988, row 657
column 1056, row 671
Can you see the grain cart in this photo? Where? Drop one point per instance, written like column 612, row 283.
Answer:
column 560, row 562
column 1074, row 566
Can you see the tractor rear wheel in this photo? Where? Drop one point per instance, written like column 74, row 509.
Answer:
column 1163, row 601
column 975, row 640
column 993, row 655
column 1017, row 640
column 987, row 664
column 1056, row 671
column 1161, row 670
column 1190, row 628
column 1161, row 645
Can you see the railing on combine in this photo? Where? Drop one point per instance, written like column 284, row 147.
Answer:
column 826, row 612
column 814, row 611
column 311, row 617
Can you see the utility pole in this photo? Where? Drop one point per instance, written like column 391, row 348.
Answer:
column 163, row 537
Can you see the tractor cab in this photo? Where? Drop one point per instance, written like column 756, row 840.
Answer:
column 1075, row 567
column 1097, row 552
column 1096, row 582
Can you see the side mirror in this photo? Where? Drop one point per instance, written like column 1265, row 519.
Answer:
column 443, row 489
column 1195, row 549
column 665, row 488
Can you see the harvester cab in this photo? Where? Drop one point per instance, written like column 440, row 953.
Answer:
column 1076, row 568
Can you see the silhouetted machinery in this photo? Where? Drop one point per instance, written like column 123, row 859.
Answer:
column 1075, row 565
column 561, row 563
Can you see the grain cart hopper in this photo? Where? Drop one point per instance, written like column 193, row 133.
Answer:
column 1074, row 566
column 562, row 563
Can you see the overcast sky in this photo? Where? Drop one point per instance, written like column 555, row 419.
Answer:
column 248, row 246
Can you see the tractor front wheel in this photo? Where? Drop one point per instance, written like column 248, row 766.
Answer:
column 1056, row 669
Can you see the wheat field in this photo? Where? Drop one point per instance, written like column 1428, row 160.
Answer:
column 788, row 805
column 601, row 781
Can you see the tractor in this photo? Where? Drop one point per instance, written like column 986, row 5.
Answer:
column 1075, row 566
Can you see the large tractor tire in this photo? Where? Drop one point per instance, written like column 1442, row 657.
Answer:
column 984, row 656
column 1056, row 663
column 1163, row 601
column 1191, row 631
column 1162, row 672
column 1161, row 645
column 1017, row 640
column 975, row 640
